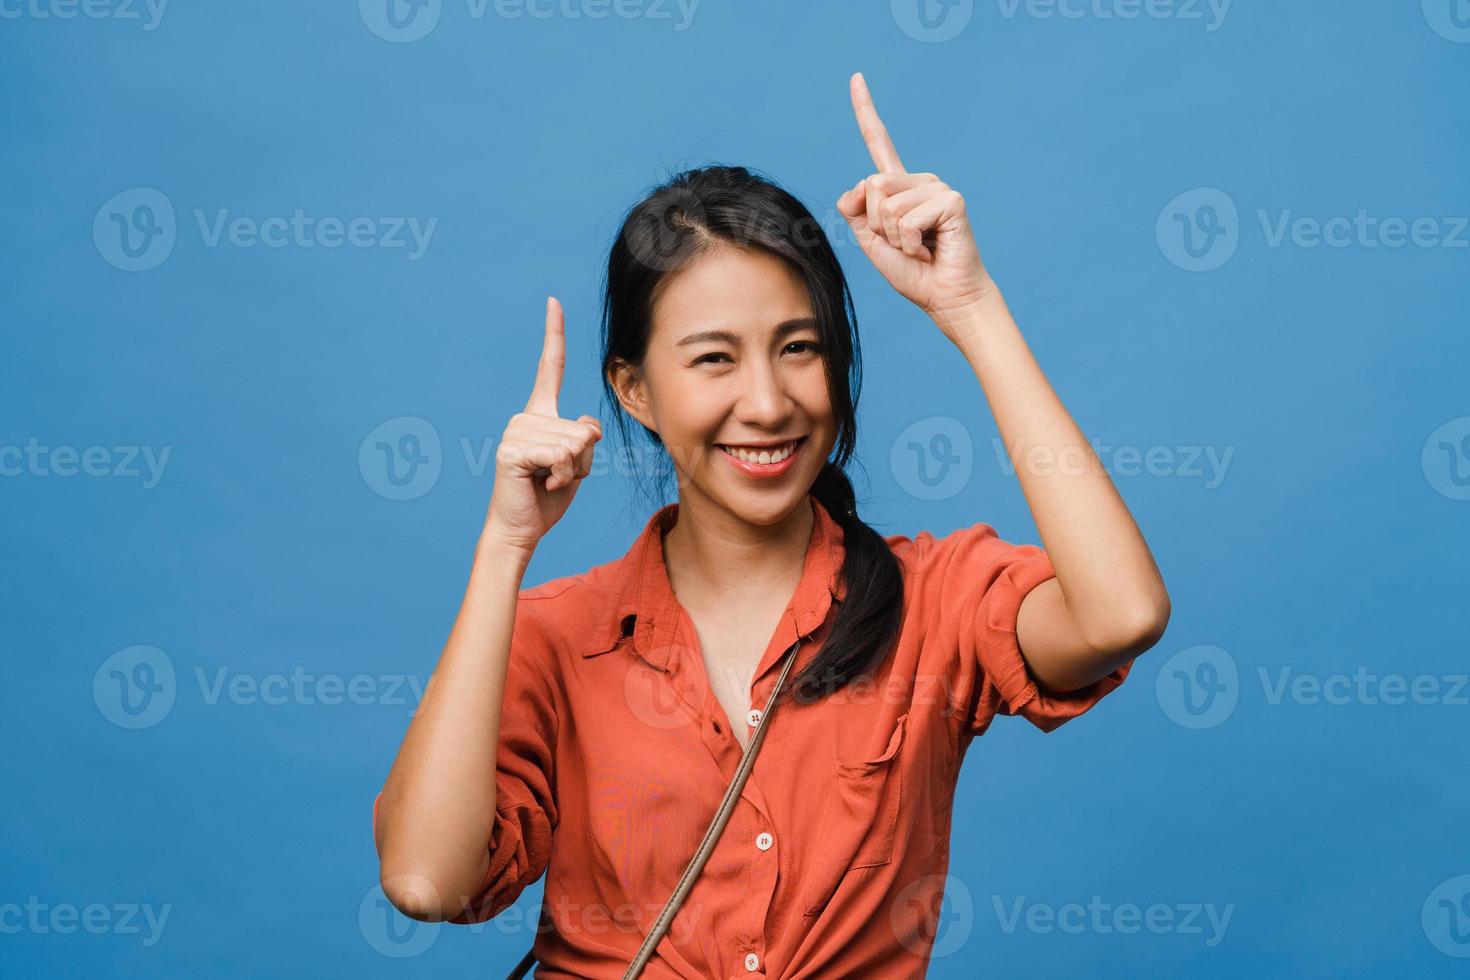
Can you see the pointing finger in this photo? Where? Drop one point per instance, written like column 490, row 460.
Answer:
column 553, row 359
column 880, row 147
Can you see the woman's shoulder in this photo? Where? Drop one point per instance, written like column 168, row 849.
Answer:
column 575, row 588
column 924, row 549
column 572, row 608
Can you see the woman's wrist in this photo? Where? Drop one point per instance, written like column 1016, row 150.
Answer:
column 970, row 320
column 969, row 323
column 503, row 552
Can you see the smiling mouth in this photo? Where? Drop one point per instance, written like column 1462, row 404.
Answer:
column 763, row 457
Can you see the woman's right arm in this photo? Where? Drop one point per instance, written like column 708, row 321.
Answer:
column 438, row 803
column 437, row 807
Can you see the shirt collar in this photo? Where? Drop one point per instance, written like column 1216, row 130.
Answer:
column 640, row 588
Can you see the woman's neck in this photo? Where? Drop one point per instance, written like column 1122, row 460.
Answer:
column 712, row 554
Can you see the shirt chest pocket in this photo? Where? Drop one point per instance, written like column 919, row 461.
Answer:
column 859, row 819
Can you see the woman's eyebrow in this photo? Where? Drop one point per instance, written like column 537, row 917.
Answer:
column 733, row 339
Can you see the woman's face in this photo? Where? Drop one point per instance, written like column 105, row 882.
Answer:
column 734, row 360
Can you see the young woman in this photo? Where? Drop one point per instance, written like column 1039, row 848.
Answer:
column 587, row 728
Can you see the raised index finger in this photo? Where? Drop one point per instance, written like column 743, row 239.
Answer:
column 880, row 147
column 553, row 358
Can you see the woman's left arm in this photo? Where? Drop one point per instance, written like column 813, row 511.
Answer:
column 1107, row 603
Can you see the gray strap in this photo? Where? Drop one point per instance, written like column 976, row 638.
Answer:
column 717, row 827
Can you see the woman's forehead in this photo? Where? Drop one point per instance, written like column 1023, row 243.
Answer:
column 746, row 292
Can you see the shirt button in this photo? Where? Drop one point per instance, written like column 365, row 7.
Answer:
column 764, row 841
column 754, row 717
column 752, row 962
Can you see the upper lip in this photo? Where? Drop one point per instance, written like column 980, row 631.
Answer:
column 775, row 444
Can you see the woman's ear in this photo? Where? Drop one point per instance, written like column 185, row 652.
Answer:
column 627, row 384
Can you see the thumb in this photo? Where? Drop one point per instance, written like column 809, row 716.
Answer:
column 853, row 200
column 853, row 206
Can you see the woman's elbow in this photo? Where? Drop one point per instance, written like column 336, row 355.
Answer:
column 1137, row 627
column 418, row 896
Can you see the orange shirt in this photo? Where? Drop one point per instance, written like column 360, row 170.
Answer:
column 615, row 754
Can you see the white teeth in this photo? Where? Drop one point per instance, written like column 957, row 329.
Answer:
column 765, row 457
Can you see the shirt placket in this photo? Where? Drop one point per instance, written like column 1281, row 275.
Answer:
column 750, row 839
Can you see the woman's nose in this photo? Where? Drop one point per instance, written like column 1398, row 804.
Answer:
column 764, row 400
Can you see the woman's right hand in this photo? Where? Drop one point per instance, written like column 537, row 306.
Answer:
column 542, row 458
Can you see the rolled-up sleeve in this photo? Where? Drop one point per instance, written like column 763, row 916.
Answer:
column 525, row 801
column 971, row 587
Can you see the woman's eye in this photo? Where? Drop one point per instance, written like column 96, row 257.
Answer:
column 807, row 346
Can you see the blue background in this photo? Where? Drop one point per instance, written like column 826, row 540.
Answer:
column 1334, row 541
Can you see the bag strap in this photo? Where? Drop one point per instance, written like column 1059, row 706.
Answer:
column 706, row 847
column 716, row 828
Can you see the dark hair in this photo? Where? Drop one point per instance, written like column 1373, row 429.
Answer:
column 690, row 214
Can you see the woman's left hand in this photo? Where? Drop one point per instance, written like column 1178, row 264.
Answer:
column 913, row 227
